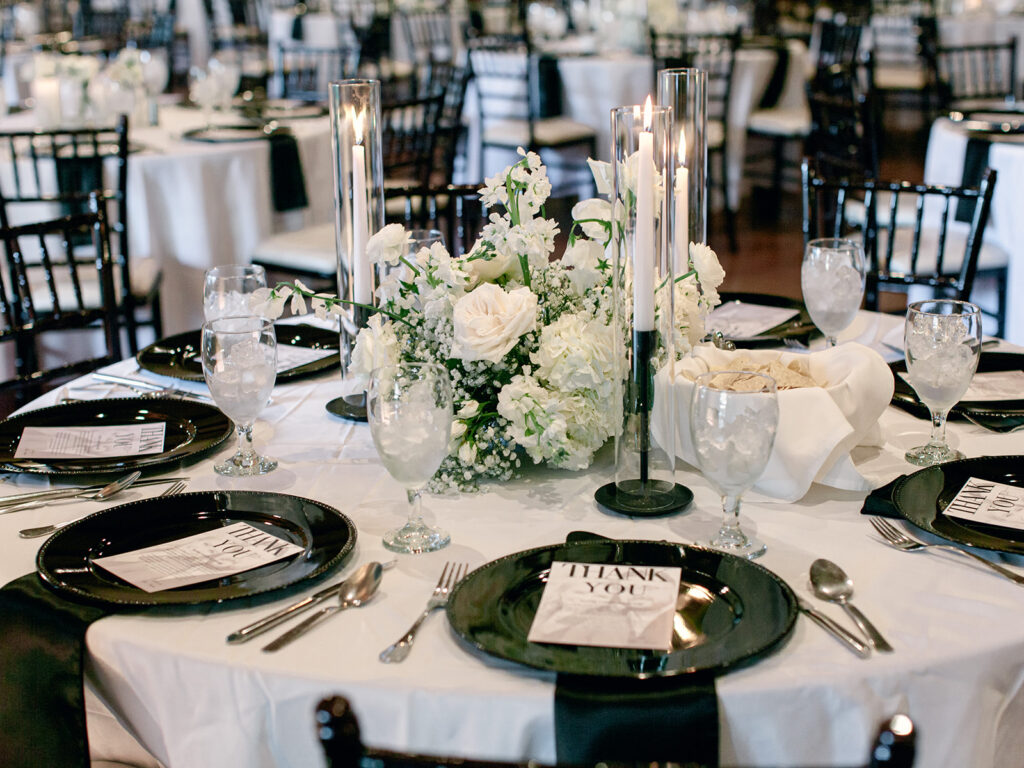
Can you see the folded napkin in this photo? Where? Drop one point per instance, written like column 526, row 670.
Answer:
column 287, row 184
column 880, row 501
column 975, row 163
column 42, row 707
column 547, row 88
column 774, row 89
column 600, row 719
column 818, row 426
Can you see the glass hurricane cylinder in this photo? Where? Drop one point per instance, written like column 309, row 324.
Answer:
column 358, row 196
column 644, row 469
column 684, row 92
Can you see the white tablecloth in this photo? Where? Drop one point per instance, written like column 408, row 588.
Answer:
column 944, row 164
column 194, row 701
column 193, row 205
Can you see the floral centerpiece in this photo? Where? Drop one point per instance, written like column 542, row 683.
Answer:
column 529, row 340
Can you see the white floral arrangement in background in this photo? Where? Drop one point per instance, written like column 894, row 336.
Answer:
column 126, row 69
column 529, row 340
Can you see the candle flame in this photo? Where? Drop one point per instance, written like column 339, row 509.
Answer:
column 647, row 113
column 357, row 119
column 682, row 146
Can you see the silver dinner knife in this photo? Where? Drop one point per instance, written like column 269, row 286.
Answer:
column 148, row 386
column 837, row 631
column 278, row 617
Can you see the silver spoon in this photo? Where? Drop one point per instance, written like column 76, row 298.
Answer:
column 359, row 588
column 830, row 582
column 101, row 495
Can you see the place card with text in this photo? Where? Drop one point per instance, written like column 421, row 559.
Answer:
column 609, row 606
column 289, row 356
column 193, row 559
column 90, row 442
column 740, row 320
column 989, row 502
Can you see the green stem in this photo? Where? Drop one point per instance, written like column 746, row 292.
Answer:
column 330, row 301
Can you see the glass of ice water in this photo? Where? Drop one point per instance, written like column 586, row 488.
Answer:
column 227, row 289
column 240, row 366
column 409, row 407
column 733, row 418
column 832, row 280
column 942, row 342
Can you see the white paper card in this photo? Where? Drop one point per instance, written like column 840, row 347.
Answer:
column 211, row 555
column 989, row 502
column 993, row 387
column 289, row 356
column 90, row 442
column 609, row 606
column 740, row 320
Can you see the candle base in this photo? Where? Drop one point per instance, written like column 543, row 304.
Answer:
column 654, row 498
column 348, row 407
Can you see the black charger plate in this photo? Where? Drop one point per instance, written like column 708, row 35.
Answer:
column 181, row 356
column 65, row 561
column 800, row 327
column 997, row 414
column 734, row 611
column 192, row 430
column 922, row 497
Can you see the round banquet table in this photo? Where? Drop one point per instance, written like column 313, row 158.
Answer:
column 193, row 701
column 193, row 205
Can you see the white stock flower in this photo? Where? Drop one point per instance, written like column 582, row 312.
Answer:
column 594, row 208
column 603, row 175
column 535, row 238
column 488, row 322
column 376, row 345
column 709, row 271
column 534, row 420
column 575, row 353
column 388, row 245
column 468, row 410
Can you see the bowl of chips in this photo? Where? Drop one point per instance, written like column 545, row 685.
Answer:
column 829, row 402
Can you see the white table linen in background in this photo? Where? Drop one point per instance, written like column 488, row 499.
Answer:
column 944, row 164
column 196, row 702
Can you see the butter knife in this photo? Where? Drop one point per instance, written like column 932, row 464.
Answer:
column 837, row 631
column 279, row 617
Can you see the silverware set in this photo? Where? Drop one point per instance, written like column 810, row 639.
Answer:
column 32, row 499
column 829, row 582
column 149, row 389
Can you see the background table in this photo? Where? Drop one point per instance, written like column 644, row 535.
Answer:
column 194, row 701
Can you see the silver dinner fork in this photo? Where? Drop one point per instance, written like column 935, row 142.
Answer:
column 31, row 533
column 450, row 576
column 900, row 540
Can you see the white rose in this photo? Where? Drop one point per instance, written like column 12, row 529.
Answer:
column 488, row 322
column 709, row 272
column 594, row 208
column 388, row 245
column 484, row 270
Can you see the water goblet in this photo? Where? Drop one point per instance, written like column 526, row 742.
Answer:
column 240, row 367
column 409, row 408
column 202, row 91
column 942, row 342
column 733, row 431
column 832, row 280
column 227, row 289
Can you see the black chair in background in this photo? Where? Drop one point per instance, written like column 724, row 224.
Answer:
column 52, row 172
column 303, row 73
column 519, row 107
column 980, row 76
column 57, row 277
column 451, row 79
column 902, row 64
column 338, row 730
column 943, row 250
column 105, row 25
column 428, row 33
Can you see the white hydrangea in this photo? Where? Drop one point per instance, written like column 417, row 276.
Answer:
column 576, row 353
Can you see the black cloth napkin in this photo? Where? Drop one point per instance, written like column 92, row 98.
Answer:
column 975, row 163
column 633, row 721
column 880, row 502
column 42, row 707
column 778, row 81
column 287, row 184
column 547, row 96
column 298, row 33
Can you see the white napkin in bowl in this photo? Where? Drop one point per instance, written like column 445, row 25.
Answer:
column 818, row 426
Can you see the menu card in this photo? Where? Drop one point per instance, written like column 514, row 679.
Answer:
column 202, row 557
column 992, row 387
column 740, row 320
column 90, row 442
column 989, row 502
column 290, row 356
column 609, row 606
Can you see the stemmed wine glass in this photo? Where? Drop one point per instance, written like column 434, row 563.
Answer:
column 409, row 408
column 733, row 432
column 227, row 289
column 832, row 280
column 240, row 367
column 942, row 342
